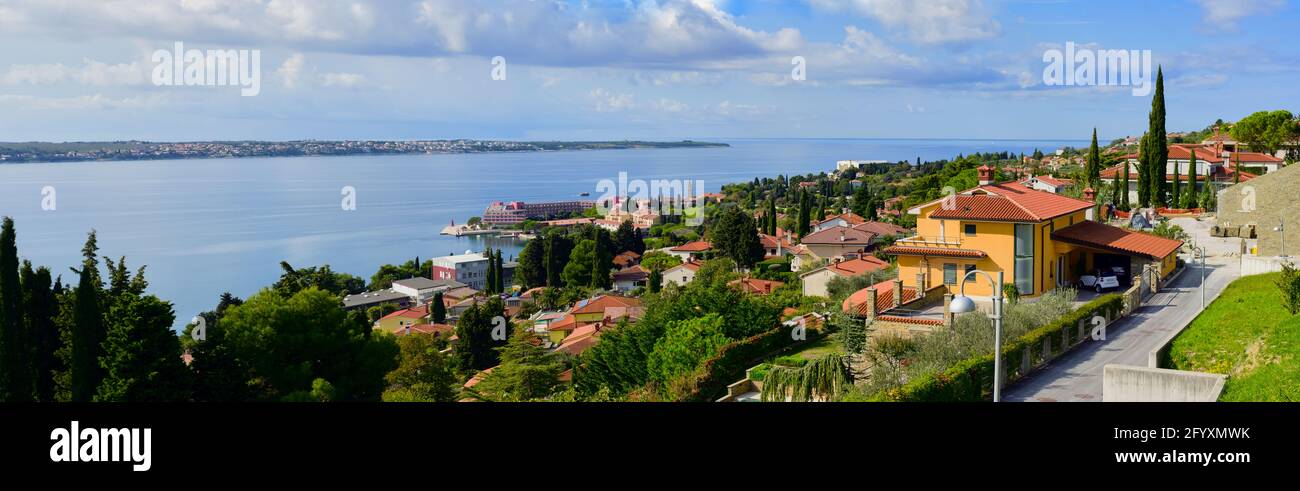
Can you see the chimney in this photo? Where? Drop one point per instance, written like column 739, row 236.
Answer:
column 871, row 302
column 1090, row 194
column 898, row 292
column 986, row 175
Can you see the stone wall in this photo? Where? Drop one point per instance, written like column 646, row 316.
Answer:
column 1263, row 201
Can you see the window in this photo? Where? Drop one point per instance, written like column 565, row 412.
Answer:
column 970, row 230
column 967, row 270
column 949, row 274
column 1024, row 268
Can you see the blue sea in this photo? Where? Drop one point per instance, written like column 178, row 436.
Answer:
column 204, row 227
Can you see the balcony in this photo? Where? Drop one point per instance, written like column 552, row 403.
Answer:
column 924, row 241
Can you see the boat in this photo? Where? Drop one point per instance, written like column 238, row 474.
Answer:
column 584, row 193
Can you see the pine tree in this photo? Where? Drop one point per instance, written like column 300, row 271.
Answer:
column 88, row 327
column 142, row 356
column 16, row 374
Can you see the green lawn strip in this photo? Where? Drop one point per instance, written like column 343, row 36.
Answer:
column 1276, row 372
column 1217, row 340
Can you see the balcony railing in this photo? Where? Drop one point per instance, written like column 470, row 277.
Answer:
column 923, row 241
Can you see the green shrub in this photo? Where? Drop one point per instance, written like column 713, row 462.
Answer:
column 972, row 379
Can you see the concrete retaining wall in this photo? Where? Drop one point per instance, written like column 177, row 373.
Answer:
column 1122, row 383
column 1251, row 265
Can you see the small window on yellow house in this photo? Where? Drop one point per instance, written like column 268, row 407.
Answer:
column 949, row 274
column 970, row 230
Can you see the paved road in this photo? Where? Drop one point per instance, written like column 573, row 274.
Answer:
column 1077, row 376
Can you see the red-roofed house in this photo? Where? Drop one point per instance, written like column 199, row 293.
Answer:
column 689, row 250
column 1047, row 183
column 755, row 286
column 400, row 319
column 1032, row 236
column 682, row 274
column 815, row 281
column 838, row 241
column 841, row 220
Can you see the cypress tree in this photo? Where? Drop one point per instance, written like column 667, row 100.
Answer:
column 1159, row 159
column 1173, row 191
column 1144, row 171
column 88, row 327
column 16, row 384
column 42, row 305
column 1094, row 162
column 490, row 282
column 1124, row 194
column 656, row 280
column 438, row 309
column 1191, row 196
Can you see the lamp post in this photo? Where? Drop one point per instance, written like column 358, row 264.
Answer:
column 963, row 304
column 1281, row 232
column 1201, row 252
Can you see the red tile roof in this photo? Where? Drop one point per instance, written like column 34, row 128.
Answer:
column 603, row 302
column 478, row 377
column 1009, row 202
column 755, row 286
column 934, row 252
column 439, row 329
column 1102, row 236
column 697, row 246
column 851, row 218
column 840, row 235
column 881, row 228
column 411, row 313
column 856, row 266
column 856, row 303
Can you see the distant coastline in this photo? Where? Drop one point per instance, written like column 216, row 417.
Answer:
column 34, row 152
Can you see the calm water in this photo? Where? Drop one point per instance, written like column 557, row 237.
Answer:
column 204, row 227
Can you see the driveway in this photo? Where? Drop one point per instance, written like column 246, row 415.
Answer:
column 1077, row 375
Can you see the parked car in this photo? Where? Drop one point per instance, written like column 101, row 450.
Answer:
column 1102, row 280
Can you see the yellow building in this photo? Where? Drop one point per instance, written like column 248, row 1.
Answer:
column 1039, row 240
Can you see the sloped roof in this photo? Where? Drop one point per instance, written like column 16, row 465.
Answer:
column 697, row 246
column 603, row 302
column 1099, row 235
column 934, row 252
column 840, row 235
column 1008, row 202
column 756, row 286
column 851, row 218
column 853, row 267
column 881, row 228
column 856, row 303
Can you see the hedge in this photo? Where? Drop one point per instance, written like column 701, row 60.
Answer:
column 972, row 379
column 730, row 363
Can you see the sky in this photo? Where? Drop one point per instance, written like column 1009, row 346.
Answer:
column 84, row 70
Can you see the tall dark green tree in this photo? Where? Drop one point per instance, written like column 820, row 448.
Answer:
column 1123, row 195
column 655, row 281
column 437, row 309
column 490, row 282
column 1157, row 149
column 88, row 326
column 17, row 378
column 1174, row 198
column 735, row 237
column 217, row 374
column 1192, row 195
column 602, row 261
column 142, row 356
column 531, row 269
column 628, row 238
column 1094, row 162
column 558, row 249
column 475, row 348
column 40, row 299
column 804, row 215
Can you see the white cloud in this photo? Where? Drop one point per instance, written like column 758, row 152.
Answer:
column 342, row 80
column 925, row 21
column 291, row 70
column 91, row 72
column 82, row 102
column 1226, row 13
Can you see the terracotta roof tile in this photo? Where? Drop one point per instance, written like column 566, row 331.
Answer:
column 935, row 252
column 1100, row 235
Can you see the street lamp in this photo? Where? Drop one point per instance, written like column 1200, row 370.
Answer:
column 1201, row 252
column 1281, row 232
column 963, row 304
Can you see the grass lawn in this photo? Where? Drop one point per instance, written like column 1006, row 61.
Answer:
column 1247, row 335
column 813, row 350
